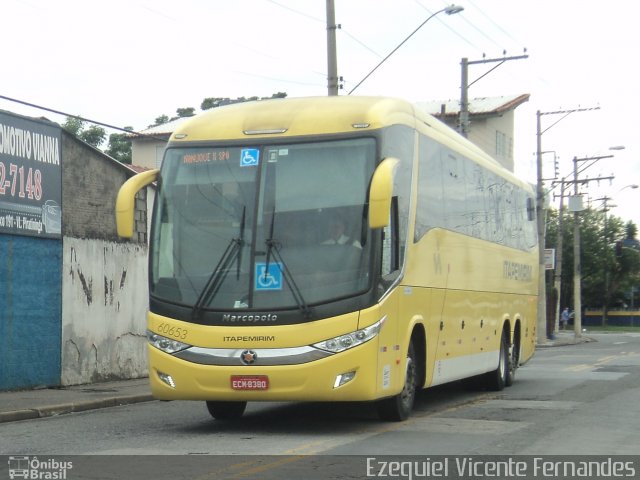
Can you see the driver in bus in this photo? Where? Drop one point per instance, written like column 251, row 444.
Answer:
column 337, row 234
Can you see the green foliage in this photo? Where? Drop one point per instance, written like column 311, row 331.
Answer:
column 632, row 230
column 186, row 112
column 73, row 125
column 159, row 120
column 600, row 265
column 120, row 146
column 94, row 135
column 215, row 102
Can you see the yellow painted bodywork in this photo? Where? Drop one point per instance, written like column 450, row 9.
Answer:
column 125, row 202
column 309, row 381
column 462, row 312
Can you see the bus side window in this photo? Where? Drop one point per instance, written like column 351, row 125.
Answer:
column 390, row 243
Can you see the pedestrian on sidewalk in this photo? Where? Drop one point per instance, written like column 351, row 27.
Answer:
column 564, row 318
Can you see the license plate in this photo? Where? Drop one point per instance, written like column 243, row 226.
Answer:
column 249, row 382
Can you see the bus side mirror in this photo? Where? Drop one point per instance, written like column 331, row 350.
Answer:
column 125, row 202
column 380, row 192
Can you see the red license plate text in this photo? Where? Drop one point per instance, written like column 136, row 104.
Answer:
column 249, row 382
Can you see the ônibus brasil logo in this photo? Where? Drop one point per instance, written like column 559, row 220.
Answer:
column 34, row 468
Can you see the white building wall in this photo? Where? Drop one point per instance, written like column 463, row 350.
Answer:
column 104, row 305
column 147, row 152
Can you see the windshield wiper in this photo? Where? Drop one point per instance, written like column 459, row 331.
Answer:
column 216, row 279
column 239, row 255
column 274, row 248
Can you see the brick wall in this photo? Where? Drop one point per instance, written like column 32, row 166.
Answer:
column 90, row 184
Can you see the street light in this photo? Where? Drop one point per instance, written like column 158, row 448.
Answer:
column 450, row 10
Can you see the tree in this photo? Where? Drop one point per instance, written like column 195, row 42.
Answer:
column 73, row 125
column 602, row 263
column 94, row 135
column 626, row 276
column 120, row 146
column 215, row 102
column 159, row 120
column 186, row 112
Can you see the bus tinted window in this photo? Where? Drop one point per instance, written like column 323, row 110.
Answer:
column 459, row 195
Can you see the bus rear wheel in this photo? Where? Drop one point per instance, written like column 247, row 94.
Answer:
column 226, row 410
column 514, row 360
column 399, row 407
column 497, row 379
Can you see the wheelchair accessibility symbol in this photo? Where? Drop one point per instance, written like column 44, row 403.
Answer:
column 249, row 157
column 270, row 279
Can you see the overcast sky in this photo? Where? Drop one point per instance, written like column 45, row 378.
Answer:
column 127, row 62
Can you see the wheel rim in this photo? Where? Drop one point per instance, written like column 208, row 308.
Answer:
column 408, row 392
column 503, row 361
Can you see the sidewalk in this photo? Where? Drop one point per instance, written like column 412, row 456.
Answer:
column 565, row 337
column 46, row 402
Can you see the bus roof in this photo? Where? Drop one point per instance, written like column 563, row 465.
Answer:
column 295, row 116
column 287, row 117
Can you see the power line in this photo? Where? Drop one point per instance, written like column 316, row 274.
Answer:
column 78, row 117
column 359, row 42
column 493, row 22
column 316, row 19
column 449, row 27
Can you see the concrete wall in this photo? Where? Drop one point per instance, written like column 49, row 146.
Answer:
column 104, row 303
column 482, row 132
column 147, row 152
column 104, row 279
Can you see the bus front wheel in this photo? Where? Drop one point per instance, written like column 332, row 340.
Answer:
column 399, row 407
column 226, row 410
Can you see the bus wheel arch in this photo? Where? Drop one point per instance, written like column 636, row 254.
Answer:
column 399, row 407
column 419, row 341
column 497, row 379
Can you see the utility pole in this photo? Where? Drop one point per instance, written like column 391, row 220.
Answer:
column 557, row 284
column 542, row 285
column 463, row 123
column 577, row 264
column 332, row 61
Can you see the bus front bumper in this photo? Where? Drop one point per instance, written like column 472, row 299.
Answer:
column 351, row 375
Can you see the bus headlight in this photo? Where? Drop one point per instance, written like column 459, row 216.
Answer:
column 350, row 340
column 167, row 345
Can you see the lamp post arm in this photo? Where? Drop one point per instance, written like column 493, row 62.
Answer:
column 449, row 10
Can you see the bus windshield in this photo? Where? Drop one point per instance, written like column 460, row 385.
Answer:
column 262, row 227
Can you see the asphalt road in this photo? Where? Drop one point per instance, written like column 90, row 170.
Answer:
column 577, row 399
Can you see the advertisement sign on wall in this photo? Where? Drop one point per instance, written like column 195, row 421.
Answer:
column 30, row 177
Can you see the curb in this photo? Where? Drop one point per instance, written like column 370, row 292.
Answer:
column 61, row 409
column 564, row 343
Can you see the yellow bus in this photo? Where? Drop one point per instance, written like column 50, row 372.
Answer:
column 332, row 249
